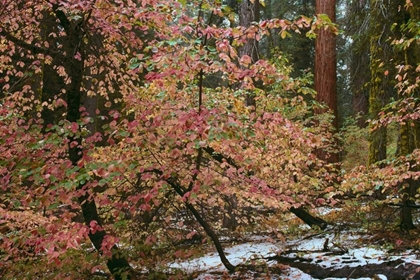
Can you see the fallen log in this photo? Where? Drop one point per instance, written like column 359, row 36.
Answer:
column 308, row 218
column 393, row 270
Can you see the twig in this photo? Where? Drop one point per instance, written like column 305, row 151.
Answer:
column 348, row 277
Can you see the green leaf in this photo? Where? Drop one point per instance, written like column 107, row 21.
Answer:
column 211, row 48
column 53, row 206
column 325, row 18
column 172, row 42
column 226, row 9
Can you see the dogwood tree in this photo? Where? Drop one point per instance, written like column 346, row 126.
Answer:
column 118, row 117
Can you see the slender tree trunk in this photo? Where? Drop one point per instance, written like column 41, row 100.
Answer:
column 359, row 69
column 308, row 218
column 325, row 69
column 207, row 228
column 52, row 83
column 249, row 12
column 409, row 186
column 406, row 186
column 117, row 264
column 377, row 100
column 358, row 28
column 379, row 89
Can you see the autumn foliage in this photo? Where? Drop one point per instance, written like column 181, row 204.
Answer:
column 123, row 125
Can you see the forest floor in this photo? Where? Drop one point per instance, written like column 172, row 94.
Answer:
column 335, row 253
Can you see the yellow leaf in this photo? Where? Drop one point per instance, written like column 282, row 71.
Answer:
column 284, row 34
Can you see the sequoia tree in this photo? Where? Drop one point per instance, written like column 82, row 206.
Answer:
column 325, row 68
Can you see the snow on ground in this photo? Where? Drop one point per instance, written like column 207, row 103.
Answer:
column 235, row 254
column 352, row 258
column 259, row 249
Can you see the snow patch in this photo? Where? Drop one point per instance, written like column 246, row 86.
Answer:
column 236, row 255
column 258, row 249
column 352, row 258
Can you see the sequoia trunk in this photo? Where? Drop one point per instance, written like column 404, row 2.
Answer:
column 325, row 69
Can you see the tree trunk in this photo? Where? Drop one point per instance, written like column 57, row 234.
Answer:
column 387, row 21
column 308, row 218
column 229, row 217
column 249, row 12
column 207, row 228
column 325, row 69
column 377, row 100
column 410, row 132
column 356, row 26
column 118, row 265
column 380, row 88
column 407, row 186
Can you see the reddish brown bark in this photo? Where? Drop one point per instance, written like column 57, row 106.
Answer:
column 325, row 60
column 325, row 67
